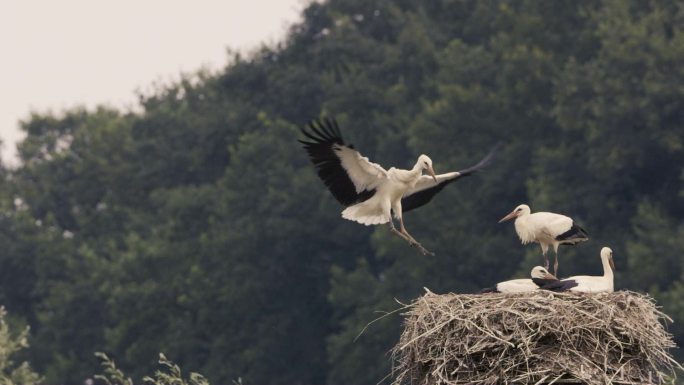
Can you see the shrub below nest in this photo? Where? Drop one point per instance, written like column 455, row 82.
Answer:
column 538, row 337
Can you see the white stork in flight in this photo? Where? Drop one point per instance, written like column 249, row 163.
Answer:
column 547, row 229
column 370, row 193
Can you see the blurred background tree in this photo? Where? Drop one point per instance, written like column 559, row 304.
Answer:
column 197, row 226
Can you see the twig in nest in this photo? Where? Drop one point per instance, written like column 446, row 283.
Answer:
column 532, row 338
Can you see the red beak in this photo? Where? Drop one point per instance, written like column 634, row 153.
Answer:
column 507, row 217
column 432, row 173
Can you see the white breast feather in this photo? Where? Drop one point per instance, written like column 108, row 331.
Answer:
column 525, row 231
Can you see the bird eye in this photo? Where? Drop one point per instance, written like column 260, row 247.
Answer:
column 518, row 210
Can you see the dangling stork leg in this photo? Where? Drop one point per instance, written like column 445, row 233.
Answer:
column 396, row 210
column 555, row 266
column 412, row 241
column 555, row 263
column 545, row 249
column 408, row 238
column 394, row 230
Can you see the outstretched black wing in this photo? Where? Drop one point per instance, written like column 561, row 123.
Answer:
column 350, row 177
column 426, row 187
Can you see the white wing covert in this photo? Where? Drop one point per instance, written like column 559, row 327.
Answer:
column 365, row 174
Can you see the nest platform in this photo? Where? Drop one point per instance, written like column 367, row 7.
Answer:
column 534, row 338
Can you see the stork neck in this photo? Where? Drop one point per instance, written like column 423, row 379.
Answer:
column 607, row 271
column 417, row 169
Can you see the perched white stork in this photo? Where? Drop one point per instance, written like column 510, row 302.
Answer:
column 547, row 229
column 540, row 277
column 595, row 284
column 370, row 193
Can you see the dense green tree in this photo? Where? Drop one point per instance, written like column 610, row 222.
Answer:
column 196, row 226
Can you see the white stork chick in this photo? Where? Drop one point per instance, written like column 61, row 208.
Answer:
column 547, row 229
column 596, row 284
column 540, row 276
column 370, row 193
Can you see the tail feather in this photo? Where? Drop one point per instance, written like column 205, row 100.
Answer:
column 366, row 213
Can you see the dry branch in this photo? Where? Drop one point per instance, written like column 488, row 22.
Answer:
column 530, row 338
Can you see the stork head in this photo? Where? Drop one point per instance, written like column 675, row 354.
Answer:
column 541, row 273
column 517, row 212
column 607, row 255
column 425, row 163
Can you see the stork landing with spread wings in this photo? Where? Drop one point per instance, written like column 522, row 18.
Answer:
column 370, row 193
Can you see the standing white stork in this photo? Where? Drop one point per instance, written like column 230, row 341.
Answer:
column 596, row 284
column 547, row 229
column 540, row 277
column 370, row 193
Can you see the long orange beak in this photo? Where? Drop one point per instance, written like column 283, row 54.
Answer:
column 507, row 217
column 432, row 173
column 610, row 262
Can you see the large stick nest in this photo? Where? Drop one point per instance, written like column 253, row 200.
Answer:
column 538, row 337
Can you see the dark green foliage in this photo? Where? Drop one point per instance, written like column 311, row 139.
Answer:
column 197, row 226
column 168, row 374
column 11, row 343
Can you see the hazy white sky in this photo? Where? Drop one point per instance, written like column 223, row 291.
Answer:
column 59, row 54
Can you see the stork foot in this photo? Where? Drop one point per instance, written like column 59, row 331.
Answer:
column 423, row 250
column 399, row 233
column 411, row 241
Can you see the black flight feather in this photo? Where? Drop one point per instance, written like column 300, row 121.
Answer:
column 576, row 234
column 555, row 284
column 322, row 136
column 543, row 281
column 422, row 197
